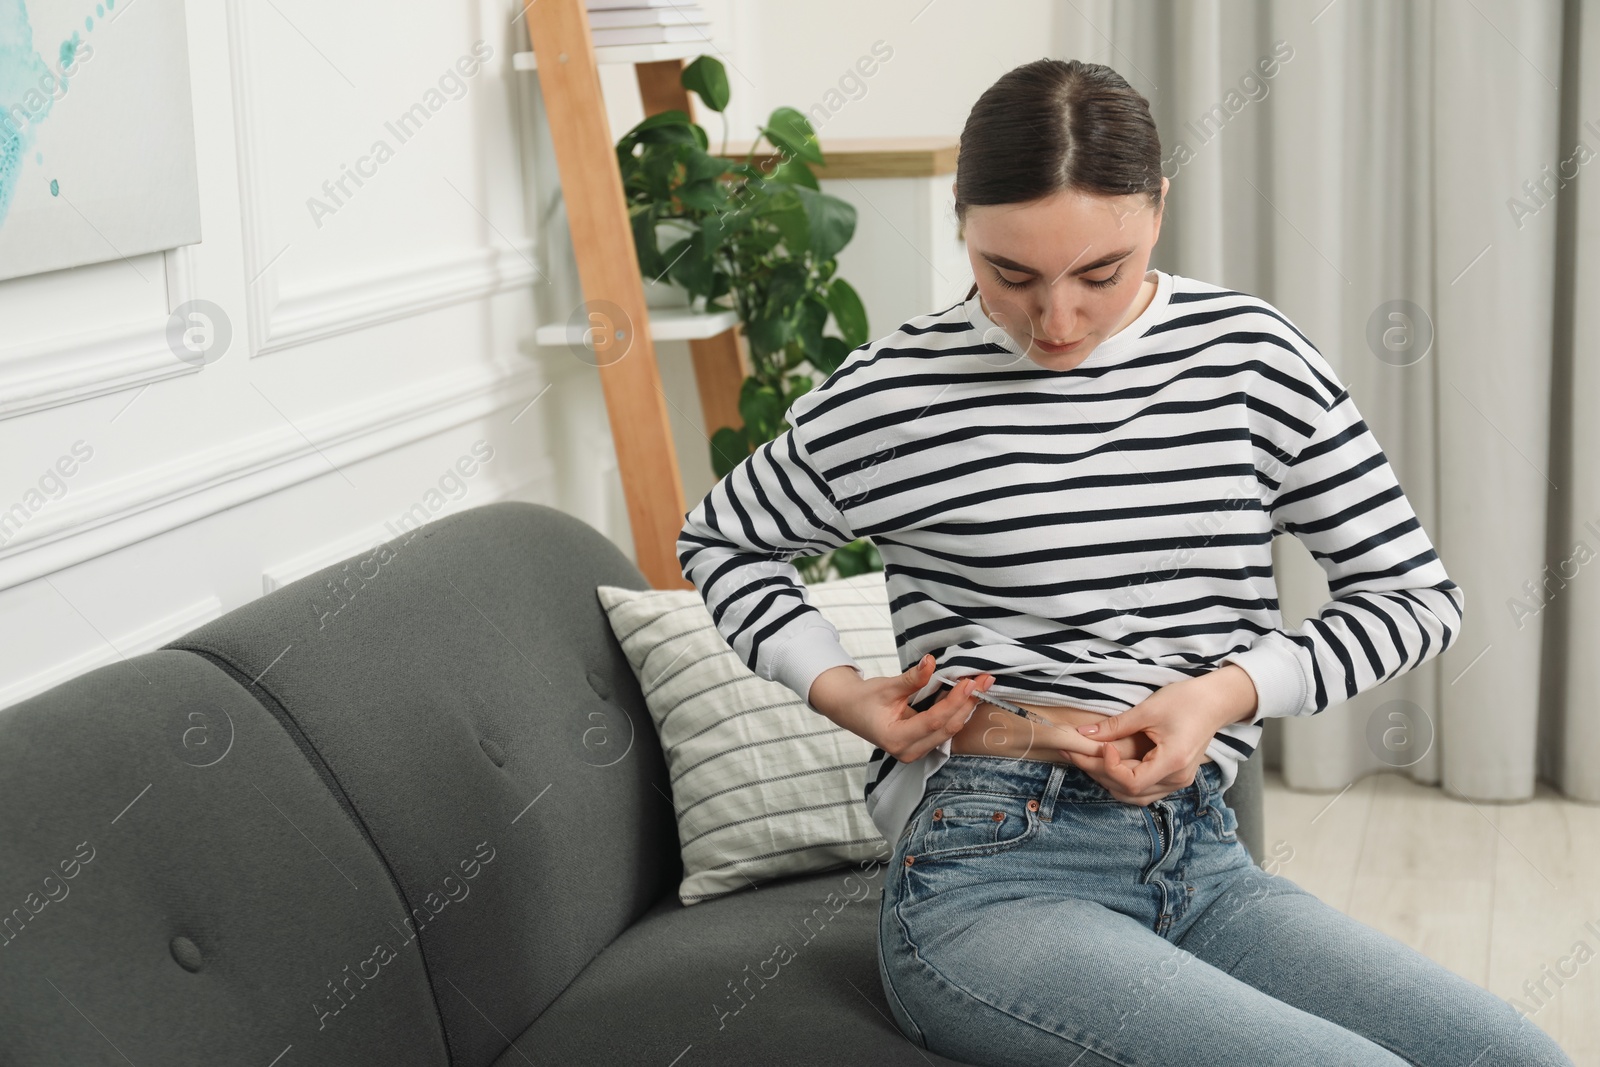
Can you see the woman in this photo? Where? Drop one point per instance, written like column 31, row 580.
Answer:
column 1074, row 477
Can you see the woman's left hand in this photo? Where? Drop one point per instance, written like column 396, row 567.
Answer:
column 1181, row 719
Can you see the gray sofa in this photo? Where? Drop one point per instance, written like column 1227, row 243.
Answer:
column 377, row 817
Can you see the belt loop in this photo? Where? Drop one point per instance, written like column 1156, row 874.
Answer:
column 1211, row 785
column 1047, row 803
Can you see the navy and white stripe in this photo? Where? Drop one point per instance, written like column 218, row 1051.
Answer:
column 1086, row 536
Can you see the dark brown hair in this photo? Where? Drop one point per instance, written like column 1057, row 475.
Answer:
column 1054, row 124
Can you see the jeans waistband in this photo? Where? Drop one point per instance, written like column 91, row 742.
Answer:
column 1044, row 780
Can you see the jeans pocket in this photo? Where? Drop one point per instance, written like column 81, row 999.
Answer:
column 962, row 825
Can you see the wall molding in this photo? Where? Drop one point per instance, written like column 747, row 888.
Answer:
column 342, row 548
column 151, row 501
column 328, row 311
column 146, row 638
column 91, row 363
column 277, row 320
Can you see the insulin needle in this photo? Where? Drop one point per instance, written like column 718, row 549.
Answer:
column 1015, row 709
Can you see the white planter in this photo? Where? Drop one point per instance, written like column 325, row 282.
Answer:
column 665, row 294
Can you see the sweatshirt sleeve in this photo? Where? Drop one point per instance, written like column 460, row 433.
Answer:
column 1393, row 606
column 736, row 547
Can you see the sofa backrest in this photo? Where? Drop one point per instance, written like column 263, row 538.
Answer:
column 179, row 887
column 458, row 696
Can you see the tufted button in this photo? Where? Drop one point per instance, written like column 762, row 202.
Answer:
column 493, row 751
column 598, row 683
column 1033, row 805
column 186, row 953
column 999, row 815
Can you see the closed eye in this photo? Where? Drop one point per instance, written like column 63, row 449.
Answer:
column 1105, row 283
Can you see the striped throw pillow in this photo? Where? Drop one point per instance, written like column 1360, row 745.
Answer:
column 764, row 786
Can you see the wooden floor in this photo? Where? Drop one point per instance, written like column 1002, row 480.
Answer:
column 1499, row 893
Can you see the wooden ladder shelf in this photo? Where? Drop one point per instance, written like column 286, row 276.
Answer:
column 591, row 182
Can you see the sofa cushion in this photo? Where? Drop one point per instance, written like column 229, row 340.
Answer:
column 783, row 974
column 763, row 786
column 464, row 689
column 179, row 886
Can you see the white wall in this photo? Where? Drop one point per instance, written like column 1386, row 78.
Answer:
column 375, row 344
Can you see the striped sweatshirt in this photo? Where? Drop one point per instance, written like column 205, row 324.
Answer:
column 1085, row 536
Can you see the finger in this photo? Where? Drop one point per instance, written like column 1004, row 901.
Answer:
column 1115, row 726
column 1119, row 770
column 1094, row 767
column 942, row 721
column 952, row 712
column 1145, row 778
column 1120, row 787
column 936, row 736
column 1070, row 740
column 1158, row 764
column 916, row 676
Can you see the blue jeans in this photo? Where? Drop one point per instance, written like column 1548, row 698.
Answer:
column 1030, row 917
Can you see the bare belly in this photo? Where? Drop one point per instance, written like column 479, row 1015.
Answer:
column 993, row 731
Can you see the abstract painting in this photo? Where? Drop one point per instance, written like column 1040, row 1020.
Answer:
column 97, row 155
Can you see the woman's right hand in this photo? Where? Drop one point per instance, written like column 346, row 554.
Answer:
column 879, row 709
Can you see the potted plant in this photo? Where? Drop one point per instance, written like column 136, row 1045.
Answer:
column 760, row 240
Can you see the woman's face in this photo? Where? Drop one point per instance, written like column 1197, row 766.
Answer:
column 1066, row 268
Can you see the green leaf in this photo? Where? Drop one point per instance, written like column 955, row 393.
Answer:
column 787, row 288
column 834, row 352
column 832, row 222
column 702, row 196
column 791, row 132
column 707, row 79
column 813, row 317
column 765, row 335
column 799, row 386
column 795, row 173
column 761, row 408
column 858, row 557
column 644, row 240
column 729, row 448
column 848, row 312
column 687, row 265
column 665, row 127
column 795, row 227
column 813, row 569
column 657, row 171
column 699, row 166
column 783, row 209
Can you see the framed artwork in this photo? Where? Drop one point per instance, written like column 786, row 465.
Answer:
column 97, row 155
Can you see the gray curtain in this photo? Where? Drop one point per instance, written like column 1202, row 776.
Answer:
column 1390, row 176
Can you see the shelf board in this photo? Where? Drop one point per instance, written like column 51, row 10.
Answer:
column 870, row 157
column 629, row 53
column 666, row 324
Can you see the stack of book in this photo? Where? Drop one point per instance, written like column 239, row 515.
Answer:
column 614, row 22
